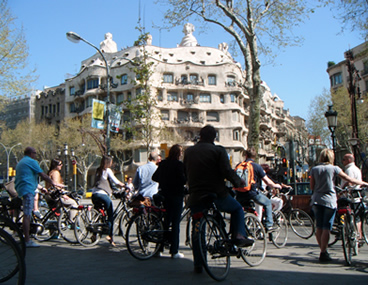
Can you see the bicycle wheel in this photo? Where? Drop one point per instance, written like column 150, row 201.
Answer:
column 86, row 227
column 123, row 223
column 349, row 238
column 301, row 223
column 188, row 231
column 365, row 226
column 255, row 254
column 12, row 229
column 11, row 259
column 212, row 245
column 144, row 235
column 47, row 228
column 280, row 235
column 66, row 226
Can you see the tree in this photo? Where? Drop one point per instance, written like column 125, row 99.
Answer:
column 353, row 14
column 14, row 78
column 316, row 123
column 255, row 25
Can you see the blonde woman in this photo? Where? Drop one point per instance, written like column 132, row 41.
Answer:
column 324, row 197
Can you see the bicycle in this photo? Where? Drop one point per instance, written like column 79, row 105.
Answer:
column 300, row 222
column 215, row 245
column 146, row 232
column 91, row 222
column 11, row 259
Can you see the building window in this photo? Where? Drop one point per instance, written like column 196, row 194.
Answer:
column 89, row 102
column 213, row 117
column 189, row 98
column 222, row 98
column 165, row 115
column 236, row 135
column 160, row 96
column 126, row 116
column 129, row 97
column 168, row 78
column 58, row 107
column 124, row 79
column 92, row 83
column 195, row 117
column 71, row 108
column 194, row 78
column 183, row 117
column 211, row 79
column 205, row 98
column 336, row 79
column 172, row 97
column 230, row 80
column 72, row 91
column 233, row 98
column 184, row 79
column 120, row 98
column 365, row 68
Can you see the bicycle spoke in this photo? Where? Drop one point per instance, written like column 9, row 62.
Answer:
column 301, row 223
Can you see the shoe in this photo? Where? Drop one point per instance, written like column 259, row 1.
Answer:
column 177, row 255
column 38, row 214
column 270, row 229
column 243, row 242
column 198, row 269
column 325, row 257
column 31, row 243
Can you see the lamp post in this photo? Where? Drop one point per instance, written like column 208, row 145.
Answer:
column 75, row 38
column 74, row 163
column 7, row 158
column 331, row 117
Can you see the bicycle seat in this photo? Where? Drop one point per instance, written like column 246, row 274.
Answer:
column 248, row 203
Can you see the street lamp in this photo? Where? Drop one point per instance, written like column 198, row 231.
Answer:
column 7, row 158
column 75, row 38
column 331, row 117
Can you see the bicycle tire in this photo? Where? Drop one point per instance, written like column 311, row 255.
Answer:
column 212, row 238
column 365, row 226
column 255, row 254
column 85, row 228
column 301, row 223
column 141, row 238
column 280, row 235
column 66, row 226
column 188, row 231
column 345, row 240
column 48, row 228
column 12, row 229
column 12, row 260
column 124, row 221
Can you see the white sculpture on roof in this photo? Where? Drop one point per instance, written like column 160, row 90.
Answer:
column 108, row 45
column 189, row 40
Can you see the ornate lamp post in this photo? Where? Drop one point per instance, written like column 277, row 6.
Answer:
column 7, row 158
column 331, row 117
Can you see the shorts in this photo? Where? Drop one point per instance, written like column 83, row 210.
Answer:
column 28, row 203
column 324, row 217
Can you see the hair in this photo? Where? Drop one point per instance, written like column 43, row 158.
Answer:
column 153, row 156
column 105, row 163
column 350, row 157
column 251, row 153
column 175, row 152
column 207, row 134
column 28, row 151
column 327, row 155
column 54, row 163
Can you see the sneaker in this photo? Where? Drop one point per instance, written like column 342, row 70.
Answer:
column 31, row 243
column 270, row 229
column 177, row 255
column 325, row 257
column 243, row 242
column 38, row 214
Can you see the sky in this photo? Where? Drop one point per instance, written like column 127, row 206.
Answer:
column 297, row 76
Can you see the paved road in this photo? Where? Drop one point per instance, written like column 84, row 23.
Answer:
column 57, row 262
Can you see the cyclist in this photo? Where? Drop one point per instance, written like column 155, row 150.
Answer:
column 254, row 193
column 207, row 166
column 102, row 192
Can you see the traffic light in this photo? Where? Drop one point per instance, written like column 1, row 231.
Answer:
column 284, row 162
column 126, row 177
column 10, row 171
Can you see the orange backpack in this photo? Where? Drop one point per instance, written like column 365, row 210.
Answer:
column 245, row 171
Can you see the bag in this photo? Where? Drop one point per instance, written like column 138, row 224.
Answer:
column 139, row 200
column 245, row 171
column 10, row 188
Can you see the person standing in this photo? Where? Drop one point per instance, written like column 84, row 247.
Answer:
column 101, row 193
column 26, row 182
column 171, row 178
column 254, row 193
column 207, row 166
column 143, row 177
column 324, row 199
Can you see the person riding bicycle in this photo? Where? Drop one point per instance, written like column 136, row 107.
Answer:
column 207, row 166
column 254, row 193
column 102, row 192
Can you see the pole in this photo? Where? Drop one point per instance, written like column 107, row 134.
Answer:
column 7, row 158
column 66, row 178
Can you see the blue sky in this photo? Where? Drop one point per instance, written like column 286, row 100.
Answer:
column 298, row 76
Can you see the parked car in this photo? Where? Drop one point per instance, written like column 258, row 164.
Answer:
column 301, row 196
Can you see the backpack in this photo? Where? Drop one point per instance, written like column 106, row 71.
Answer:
column 245, row 171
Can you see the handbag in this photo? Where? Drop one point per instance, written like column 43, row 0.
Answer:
column 10, row 188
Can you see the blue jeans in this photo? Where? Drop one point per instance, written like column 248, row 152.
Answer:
column 260, row 199
column 237, row 226
column 105, row 200
column 324, row 217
